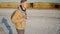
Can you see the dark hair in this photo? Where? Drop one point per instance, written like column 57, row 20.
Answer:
column 23, row 1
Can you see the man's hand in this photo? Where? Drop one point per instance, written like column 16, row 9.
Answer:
column 26, row 17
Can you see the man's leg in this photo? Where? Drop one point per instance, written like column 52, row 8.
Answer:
column 20, row 31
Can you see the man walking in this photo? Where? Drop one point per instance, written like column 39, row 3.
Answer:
column 19, row 17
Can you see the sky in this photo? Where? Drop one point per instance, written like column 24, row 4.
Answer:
column 51, row 1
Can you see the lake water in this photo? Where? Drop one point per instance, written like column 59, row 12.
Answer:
column 38, row 22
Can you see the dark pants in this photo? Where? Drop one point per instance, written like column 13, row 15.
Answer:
column 20, row 31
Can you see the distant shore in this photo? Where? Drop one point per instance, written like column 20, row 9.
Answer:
column 35, row 5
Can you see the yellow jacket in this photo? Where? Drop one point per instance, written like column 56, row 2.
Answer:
column 19, row 20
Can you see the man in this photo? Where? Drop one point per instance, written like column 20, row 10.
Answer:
column 19, row 17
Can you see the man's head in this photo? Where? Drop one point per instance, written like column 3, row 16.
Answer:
column 24, row 3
